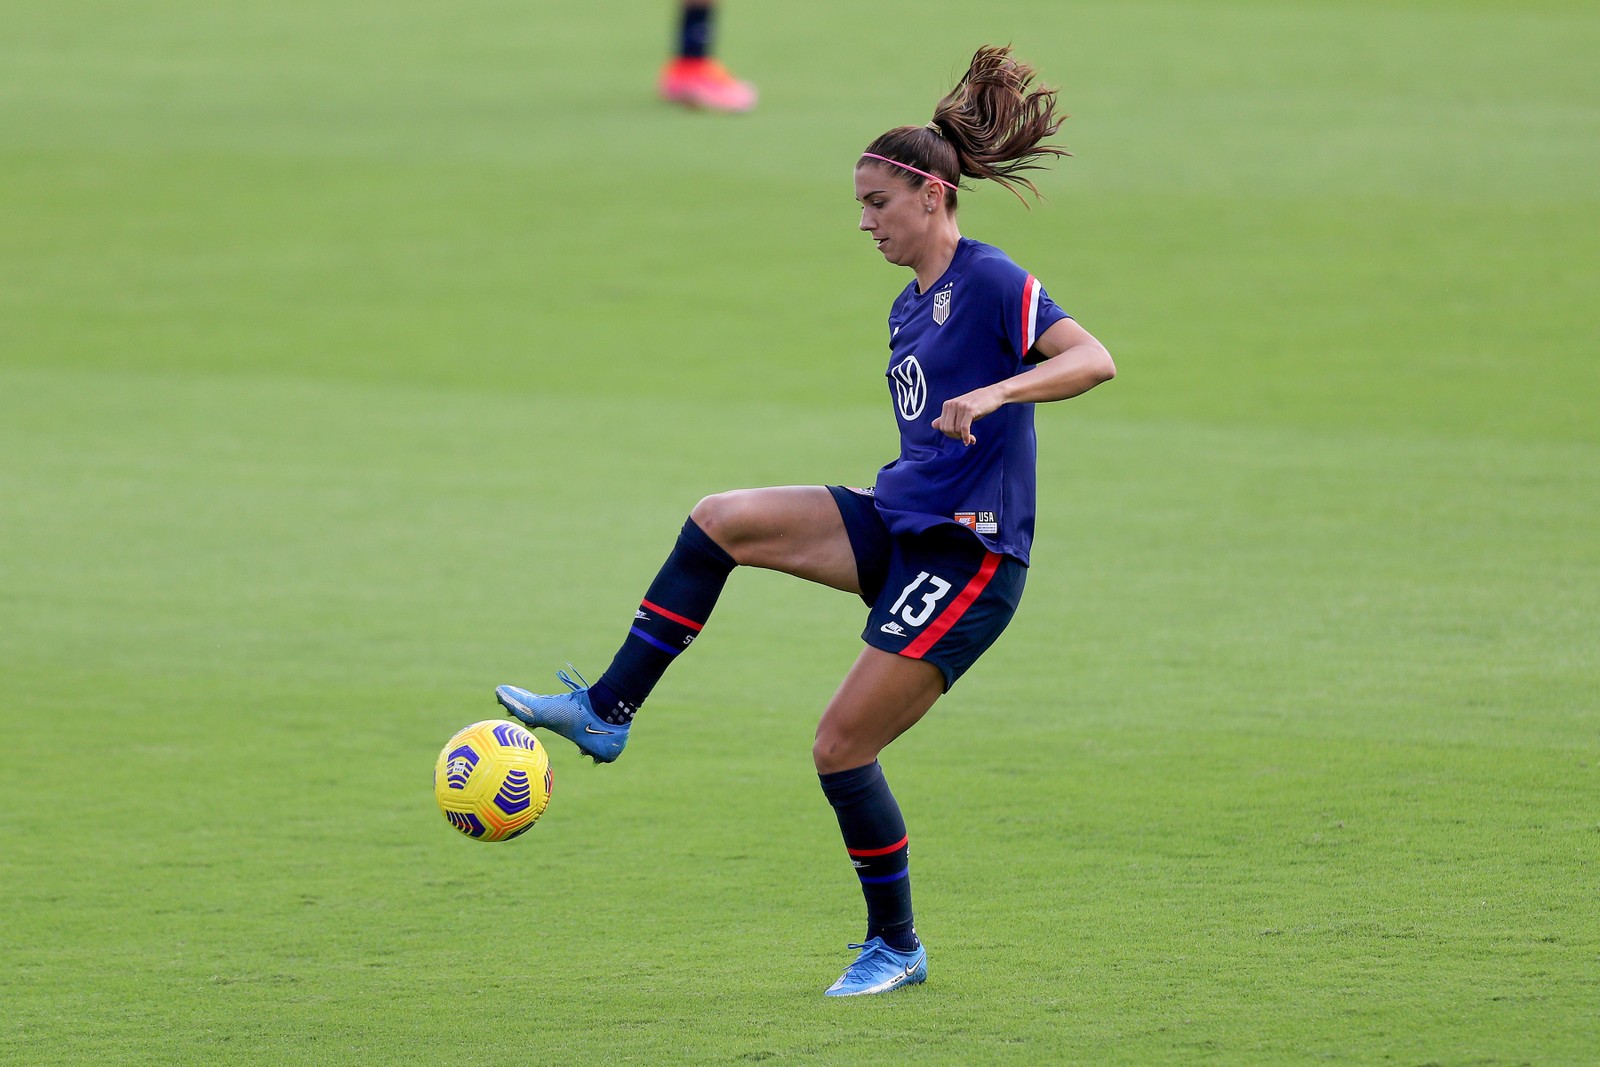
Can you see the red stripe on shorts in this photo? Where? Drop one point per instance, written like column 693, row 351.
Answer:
column 679, row 619
column 958, row 607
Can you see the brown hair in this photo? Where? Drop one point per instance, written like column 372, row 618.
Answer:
column 991, row 125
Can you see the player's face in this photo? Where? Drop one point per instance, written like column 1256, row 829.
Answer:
column 897, row 217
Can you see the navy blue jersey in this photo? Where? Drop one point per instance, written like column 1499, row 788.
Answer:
column 973, row 327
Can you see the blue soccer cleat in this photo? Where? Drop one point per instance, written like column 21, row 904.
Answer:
column 879, row 969
column 571, row 715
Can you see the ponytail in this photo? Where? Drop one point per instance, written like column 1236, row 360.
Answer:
column 993, row 125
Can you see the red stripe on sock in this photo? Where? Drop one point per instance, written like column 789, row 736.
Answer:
column 958, row 607
column 674, row 616
column 897, row 846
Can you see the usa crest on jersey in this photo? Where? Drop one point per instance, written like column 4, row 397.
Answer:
column 941, row 306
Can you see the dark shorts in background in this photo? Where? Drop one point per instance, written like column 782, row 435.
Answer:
column 939, row 595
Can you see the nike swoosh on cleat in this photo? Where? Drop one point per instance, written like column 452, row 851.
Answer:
column 603, row 733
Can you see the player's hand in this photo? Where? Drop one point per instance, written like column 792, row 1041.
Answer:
column 959, row 413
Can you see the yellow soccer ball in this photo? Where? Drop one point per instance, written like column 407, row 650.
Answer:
column 492, row 780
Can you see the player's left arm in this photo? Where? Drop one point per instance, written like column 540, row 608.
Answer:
column 1073, row 363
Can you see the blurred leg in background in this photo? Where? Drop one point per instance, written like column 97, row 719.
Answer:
column 693, row 78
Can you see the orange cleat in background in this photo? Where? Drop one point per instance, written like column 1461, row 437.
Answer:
column 705, row 83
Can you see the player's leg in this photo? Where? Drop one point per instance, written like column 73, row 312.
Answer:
column 882, row 696
column 692, row 77
column 943, row 601
column 795, row 529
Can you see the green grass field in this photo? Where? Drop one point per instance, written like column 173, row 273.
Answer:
column 357, row 357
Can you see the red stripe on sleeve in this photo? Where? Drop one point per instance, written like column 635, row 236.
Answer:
column 1028, row 288
column 958, row 607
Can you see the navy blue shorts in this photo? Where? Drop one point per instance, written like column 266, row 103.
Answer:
column 939, row 595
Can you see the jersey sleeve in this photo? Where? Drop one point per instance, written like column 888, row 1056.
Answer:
column 1026, row 310
column 1036, row 314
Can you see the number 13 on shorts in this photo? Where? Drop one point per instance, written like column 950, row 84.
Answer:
column 946, row 618
column 932, row 589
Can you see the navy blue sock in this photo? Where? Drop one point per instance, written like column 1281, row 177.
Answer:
column 694, row 32
column 673, row 612
column 875, row 838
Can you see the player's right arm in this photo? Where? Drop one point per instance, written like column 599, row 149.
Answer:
column 1074, row 362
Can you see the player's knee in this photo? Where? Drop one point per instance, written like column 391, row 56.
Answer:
column 833, row 751
column 722, row 517
column 824, row 753
column 709, row 513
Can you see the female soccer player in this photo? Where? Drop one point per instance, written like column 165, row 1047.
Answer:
column 938, row 549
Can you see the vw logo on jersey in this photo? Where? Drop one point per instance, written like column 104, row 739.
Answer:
column 910, row 388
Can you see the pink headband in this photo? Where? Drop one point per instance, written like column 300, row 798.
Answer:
column 913, row 170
